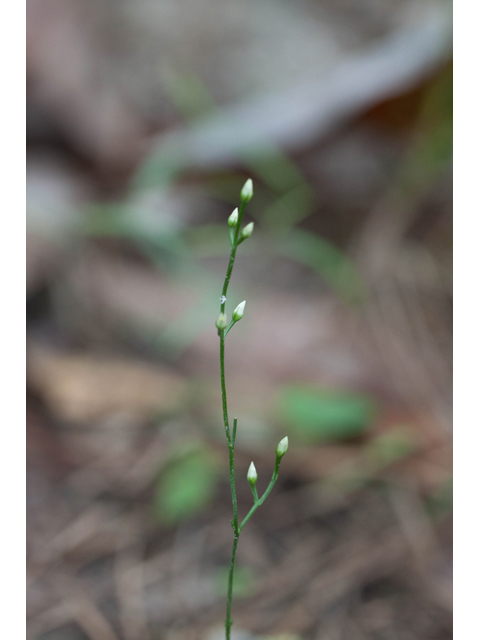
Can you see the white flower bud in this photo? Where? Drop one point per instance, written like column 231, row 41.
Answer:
column 246, row 194
column 239, row 310
column 247, row 231
column 252, row 474
column 221, row 322
column 282, row 447
column 233, row 218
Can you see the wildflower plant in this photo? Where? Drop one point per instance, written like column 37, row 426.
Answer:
column 238, row 236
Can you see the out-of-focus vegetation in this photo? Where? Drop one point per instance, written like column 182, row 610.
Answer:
column 319, row 415
column 186, row 485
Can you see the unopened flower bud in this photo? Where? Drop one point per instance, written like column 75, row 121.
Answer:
column 239, row 310
column 246, row 194
column 252, row 474
column 247, row 231
column 233, row 218
column 221, row 322
column 282, row 447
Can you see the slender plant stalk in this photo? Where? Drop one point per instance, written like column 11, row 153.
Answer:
column 236, row 238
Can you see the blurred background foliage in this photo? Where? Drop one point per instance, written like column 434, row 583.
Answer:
column 144, row 119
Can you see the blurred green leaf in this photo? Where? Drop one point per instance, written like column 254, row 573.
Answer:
column 186, row 486
column 388, row 448
column 160, row 168
column 157, row 238
column 290, row 208
column 318, row 415
column 324, row 258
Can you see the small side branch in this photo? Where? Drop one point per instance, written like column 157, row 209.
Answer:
column 261, row 500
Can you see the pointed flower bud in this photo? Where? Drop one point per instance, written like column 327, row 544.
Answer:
column 282, row 447
column 233, row 218
column 221, row 322
column 252, row 474
column 247, row 231
column 246, row 194
column 239, row 310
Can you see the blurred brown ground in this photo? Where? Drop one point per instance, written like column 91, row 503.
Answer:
column 144, row 119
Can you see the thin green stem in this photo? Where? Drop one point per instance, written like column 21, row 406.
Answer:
column 224, row 388
column 228, row 620
column 231, row 459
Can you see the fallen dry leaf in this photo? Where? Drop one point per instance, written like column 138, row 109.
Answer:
column 85, row 387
